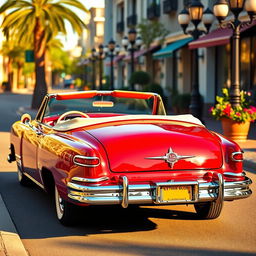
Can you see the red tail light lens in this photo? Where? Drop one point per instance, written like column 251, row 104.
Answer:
column 86, row 161
column 237, row 156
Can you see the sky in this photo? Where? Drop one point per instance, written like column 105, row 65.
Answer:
column 70, row 40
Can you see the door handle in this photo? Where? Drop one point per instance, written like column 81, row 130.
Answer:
column 39, row 133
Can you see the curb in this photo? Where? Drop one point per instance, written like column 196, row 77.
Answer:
column 10, row 242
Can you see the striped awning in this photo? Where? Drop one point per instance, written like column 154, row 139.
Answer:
column 170, row 48
column 220, row 36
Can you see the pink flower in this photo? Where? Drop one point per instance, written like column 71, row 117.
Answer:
column 253, row 109
column 227, row 110
column 211, row 109
column 248, row 110
column 238, row 114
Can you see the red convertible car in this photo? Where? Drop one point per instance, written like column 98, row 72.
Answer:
column 118, row 147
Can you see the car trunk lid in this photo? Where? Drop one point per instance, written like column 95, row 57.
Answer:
column 157, row 147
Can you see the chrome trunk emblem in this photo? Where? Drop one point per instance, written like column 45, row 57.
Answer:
column 170, row 157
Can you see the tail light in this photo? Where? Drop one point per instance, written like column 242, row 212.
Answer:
column 86, row 161
column 237, row 156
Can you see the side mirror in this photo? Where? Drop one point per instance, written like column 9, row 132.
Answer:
column 25, row 118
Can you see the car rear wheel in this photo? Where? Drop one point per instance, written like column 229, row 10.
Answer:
column 23, row 180
column 65, row 210
column 209, row 210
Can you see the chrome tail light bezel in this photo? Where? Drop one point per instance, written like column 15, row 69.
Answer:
column 89, row 158
column 235, row 154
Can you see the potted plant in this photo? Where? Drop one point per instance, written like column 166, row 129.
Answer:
column 235, row 120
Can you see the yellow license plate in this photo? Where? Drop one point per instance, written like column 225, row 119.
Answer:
column 176, row 193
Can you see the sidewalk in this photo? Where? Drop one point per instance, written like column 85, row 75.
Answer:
column 10, row 242
column 249, row 146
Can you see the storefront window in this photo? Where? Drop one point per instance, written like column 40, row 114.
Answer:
column 245, row 61
column 153, row 2
column 253, row 63
column 222, row 68
column 248, row 63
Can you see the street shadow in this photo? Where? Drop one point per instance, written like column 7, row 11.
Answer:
column 251, row 149
column 33, row 212
column 118, row 248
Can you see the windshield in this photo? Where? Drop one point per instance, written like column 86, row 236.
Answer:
column 101, row 104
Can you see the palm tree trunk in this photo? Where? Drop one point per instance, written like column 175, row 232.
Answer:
column 10, row 75
column 19, row 76
column 39, row 52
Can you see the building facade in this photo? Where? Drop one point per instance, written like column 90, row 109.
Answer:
column 172, row 66
column 91, row 38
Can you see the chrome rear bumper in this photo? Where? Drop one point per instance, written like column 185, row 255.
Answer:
column 126, row 194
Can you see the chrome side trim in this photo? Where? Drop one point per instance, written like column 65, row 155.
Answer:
column 18, row 156
column 234, row 154
column 35, row 181
column 86, row 158
column 146, row 194
column 90, row 180
column 125, row 192
column 18, row 159
column 232, row 174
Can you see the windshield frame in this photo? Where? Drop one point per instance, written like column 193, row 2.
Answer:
column 157, row 108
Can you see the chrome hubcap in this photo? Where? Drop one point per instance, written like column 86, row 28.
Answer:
column 19, row 175
column 59, row 204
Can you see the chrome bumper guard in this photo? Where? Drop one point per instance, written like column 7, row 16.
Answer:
column 126, row 194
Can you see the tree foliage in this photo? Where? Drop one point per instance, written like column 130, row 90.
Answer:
column 140, row 77
column 15, row 56
column 152, row 30
column 36, row 22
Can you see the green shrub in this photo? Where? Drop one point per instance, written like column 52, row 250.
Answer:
column 154, row 87
column 140, row 77
column 180, row 103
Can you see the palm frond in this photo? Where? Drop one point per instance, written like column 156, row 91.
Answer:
column 13, row 17
column 76, row 23
column 74, row 3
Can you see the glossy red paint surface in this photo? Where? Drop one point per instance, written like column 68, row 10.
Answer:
column 128, row 146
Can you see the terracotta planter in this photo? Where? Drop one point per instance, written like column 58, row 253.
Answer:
column 234, row 130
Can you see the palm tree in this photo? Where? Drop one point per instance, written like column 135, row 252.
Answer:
column 38, row 21
column 15, row 56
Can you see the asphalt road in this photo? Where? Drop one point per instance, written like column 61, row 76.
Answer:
column 143, row 231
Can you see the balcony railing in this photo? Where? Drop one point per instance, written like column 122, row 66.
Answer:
column 170, row 6
column 120, row 27
column 132, row 20
column 153, row 11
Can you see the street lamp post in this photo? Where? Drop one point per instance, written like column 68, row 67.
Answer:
column 132, row 43
column 93, row 60
column 195, row 14
column 221, row 10
column 101, row 56
column 111, row 50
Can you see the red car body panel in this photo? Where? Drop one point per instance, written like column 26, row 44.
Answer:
column 128, row 145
